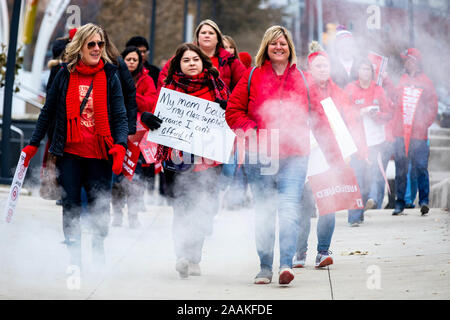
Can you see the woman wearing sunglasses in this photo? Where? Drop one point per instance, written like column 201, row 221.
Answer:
column 89, row 136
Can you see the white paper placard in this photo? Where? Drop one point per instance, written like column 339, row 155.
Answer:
column 317, row 161
column 193, row 125
column 16, row 186
column 375, row 133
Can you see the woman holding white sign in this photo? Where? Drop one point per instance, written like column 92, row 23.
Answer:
column 276, row 104
column 193, row 194
column 370, row 111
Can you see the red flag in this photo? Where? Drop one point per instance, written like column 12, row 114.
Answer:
column 148, row 149
column 410, row 99
column 336, row 190
column 379, row 63
column 131, row 159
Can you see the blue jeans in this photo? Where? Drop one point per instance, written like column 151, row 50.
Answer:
column 377, row 184
column 411, row 185
column 325, row 226
column 281, row 191
column 418, row 155
column 362, row 172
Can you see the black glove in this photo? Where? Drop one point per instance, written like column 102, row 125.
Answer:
column 150, row 121
column 222, row 103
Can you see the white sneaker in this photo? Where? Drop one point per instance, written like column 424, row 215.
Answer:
column 182, row 266
column 194, row 269
column 286, row 276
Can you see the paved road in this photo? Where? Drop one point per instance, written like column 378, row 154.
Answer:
column 405, row 257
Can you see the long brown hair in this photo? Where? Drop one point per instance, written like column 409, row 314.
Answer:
column 233, row 45
column 176, row 60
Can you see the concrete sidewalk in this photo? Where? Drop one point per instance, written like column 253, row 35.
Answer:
column 404, row 257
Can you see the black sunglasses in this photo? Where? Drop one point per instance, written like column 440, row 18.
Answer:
column 92, row 44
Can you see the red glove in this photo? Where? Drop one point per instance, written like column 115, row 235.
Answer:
column 30, row 151
column 118, row 154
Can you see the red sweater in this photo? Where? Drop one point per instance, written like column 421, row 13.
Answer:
column 361, row 98
column 145, row 92
column 280, row 102
column 426, row 109
column 230, row 69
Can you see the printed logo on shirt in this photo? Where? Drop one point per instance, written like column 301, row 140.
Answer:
column 87, row 116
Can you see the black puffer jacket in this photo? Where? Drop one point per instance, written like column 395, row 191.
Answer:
column 53, row 116
column 129, row 94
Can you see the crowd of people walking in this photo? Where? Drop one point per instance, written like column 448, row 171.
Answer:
column 98, row 100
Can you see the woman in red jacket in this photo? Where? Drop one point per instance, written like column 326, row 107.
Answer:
column 194, row 193
column 368, row 104
column 321, row 87
column 210, row 39
column 275, row 107
column 123, row 190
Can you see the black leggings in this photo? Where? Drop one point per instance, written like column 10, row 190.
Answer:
column 95, row 176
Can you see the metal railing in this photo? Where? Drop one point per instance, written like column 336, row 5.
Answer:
column 19, row 131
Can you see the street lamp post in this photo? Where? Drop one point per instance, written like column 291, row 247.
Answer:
column 411, row 23
column 5, row 177
column 152, row 33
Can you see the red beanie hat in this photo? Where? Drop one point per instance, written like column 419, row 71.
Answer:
column 72, row 33
column 412, row 53
column 313, row 55
column 246, row 59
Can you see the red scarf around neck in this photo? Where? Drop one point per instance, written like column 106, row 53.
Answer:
column 102, row 129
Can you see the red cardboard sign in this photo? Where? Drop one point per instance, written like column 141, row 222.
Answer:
column 410, row 100
column 148, row 149
column 379, row 65
column 131, row 159
column 336, row 190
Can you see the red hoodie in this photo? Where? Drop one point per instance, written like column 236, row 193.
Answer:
column 145, row 92
column 426, row 109
column 230, row 69
column 280, row 102
column 361, row 98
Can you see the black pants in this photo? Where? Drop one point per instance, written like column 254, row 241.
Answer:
column 95, row 176
column 195, row 203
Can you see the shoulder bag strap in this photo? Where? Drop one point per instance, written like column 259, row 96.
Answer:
column 86, row 97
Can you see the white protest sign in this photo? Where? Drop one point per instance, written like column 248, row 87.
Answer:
column 193, row 125
column 317, row 161
column 374, row 132
column 16, row 186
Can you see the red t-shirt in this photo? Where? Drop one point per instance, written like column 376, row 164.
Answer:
column 85, row 148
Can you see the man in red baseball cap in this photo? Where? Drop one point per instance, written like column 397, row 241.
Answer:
column 415, row 111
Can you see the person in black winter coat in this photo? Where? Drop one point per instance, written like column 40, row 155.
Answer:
column 343, row 59
column 142, row 44
column 88, row 139
column 59, row 45
column 126, row 81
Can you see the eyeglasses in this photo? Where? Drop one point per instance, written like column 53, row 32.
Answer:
column 91, row 45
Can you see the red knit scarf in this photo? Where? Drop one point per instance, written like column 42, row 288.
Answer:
column 101, row 127
column 190, row 84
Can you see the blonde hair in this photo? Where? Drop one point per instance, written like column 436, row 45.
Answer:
column 213, row 25
column 74, row 47
column 270, row 35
